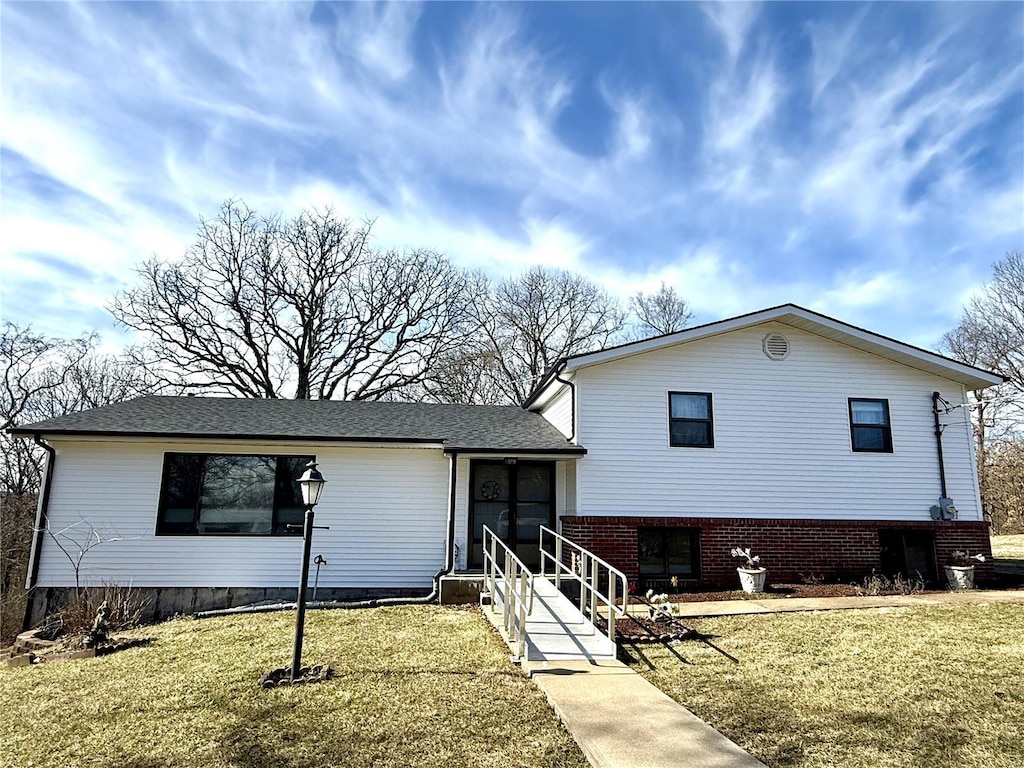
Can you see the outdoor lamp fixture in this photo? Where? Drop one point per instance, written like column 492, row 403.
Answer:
column 312, row 483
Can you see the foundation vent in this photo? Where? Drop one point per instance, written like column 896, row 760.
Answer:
column 775, row 346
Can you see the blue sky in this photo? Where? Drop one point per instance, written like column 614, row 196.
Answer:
column 862, row 160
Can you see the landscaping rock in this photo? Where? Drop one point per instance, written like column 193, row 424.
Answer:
column 283, row 676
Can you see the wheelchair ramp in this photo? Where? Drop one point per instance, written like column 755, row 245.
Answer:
column 555, row 628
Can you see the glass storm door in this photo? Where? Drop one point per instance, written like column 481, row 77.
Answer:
column 513, row 500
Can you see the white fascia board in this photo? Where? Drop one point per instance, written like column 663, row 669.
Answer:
column 552, row 388
column 519, row 456
column 812, row 322
column 235, row 444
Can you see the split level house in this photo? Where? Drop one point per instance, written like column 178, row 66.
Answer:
column 829, row 450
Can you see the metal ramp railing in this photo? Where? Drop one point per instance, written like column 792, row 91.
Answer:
column 585, row 568
column 516, row 587
column 539, row 621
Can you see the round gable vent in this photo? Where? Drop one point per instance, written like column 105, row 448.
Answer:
column 776, row 346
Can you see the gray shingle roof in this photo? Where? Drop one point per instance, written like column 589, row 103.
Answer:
column 478, row 428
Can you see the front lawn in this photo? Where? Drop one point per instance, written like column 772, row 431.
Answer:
column 415, row 686
column 893, row 688
column 1008, row 547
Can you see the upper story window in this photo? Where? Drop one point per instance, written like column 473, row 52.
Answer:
column 230, row 494
column 689, row 420
column 869, row 425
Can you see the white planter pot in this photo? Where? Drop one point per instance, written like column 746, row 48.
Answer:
column 752, row 579
column 960, row 576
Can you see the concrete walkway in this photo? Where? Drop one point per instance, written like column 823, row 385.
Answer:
column 620, row 720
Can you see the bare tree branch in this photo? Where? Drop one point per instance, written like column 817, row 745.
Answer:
column 305, row 308
column 991, row 335
column 660, row 313
column 523, row 326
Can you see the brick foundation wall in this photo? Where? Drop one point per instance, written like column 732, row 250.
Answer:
column 838, row 550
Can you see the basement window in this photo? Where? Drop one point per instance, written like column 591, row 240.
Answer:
column 909, row 553
column 230, row 494
column 668, row 552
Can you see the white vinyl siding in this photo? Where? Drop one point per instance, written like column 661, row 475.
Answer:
column 462, row 512
column 558, row 410
column 386, row 508
column 782, row 434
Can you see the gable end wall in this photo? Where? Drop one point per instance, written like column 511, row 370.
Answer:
column 781, row 435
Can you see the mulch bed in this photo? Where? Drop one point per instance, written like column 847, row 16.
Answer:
column 771, row 591
column 641, row 629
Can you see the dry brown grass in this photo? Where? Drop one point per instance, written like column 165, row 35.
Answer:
column 1008, row 547
column 414, row 686
column 892, row 688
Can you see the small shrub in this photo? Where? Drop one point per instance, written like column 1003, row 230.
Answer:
column 126, row 610
column 812, row 579
column 879, row 584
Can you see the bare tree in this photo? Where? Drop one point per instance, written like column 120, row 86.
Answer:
column 17, row 515
column 1003, row 490
column 469, row 374
column 991, row 335
column 527, row 323
column 660, row 313
column 42, row 378
column 36, row 369
column 76, row 540
column 305, row 308
column 33, row 367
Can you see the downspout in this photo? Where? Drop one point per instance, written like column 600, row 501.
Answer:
column 572, row 391
column 938, row 441
column 42, row 512
column 449, row 565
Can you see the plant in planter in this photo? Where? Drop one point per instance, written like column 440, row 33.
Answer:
column 960, row 575
column 659, row 605
column 752, row 574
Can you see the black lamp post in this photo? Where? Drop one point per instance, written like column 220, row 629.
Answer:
column 312, row 483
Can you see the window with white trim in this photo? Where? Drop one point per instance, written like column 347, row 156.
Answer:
column 870, row 431
column 690, row 423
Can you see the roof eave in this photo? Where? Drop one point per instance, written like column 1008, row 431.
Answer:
column 550, row 375
column 29, row 432
column 569, row 450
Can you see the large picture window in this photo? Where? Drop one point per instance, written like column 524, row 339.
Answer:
column 689, row 420
column 231, row 494
column 869, row 426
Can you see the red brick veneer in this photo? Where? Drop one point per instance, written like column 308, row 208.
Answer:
column 790, row 549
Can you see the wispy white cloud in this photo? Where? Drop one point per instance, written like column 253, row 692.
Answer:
column 743, row 170
column 733, row 20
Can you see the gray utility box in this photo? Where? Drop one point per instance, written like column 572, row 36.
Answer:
column 944, row 510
